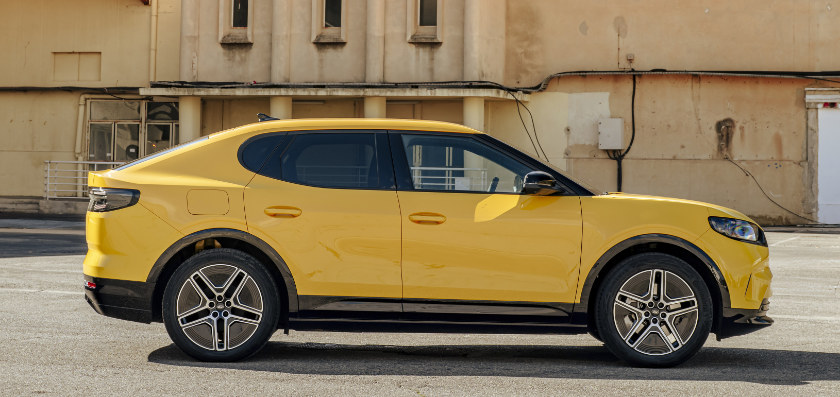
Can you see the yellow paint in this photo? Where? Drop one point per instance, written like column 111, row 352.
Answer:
column 491, row 247
column 335, row 241
column 412, row 244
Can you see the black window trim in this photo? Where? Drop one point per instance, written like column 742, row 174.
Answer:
column 382, row 152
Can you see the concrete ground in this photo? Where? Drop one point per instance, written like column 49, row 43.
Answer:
column 54, row 343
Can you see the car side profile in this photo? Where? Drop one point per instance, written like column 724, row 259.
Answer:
column 408, row 226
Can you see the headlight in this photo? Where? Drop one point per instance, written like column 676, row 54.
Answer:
column 738, row 229
column 106, row 199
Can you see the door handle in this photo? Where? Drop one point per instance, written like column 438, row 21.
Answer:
column 427, row 218
column 282, row 211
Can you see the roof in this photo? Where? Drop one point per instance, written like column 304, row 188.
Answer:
column 360, row 123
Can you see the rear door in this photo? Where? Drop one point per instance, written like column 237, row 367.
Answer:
column 327, row 203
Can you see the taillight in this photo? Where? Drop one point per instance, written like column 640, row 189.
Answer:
column 107, row 199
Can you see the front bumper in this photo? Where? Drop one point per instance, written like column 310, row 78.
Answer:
column 736, row 322
column 127, row 300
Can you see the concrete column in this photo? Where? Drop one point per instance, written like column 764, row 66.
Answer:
column 375, row 43
column 280, row 107
column 189, row 40
column 472, row 40
column 189, row 109
column 375, row 107
column 474, row 113
column 281, row 22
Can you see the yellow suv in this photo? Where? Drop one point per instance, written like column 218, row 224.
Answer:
column 408, row 226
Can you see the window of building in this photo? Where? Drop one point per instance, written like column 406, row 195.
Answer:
column 329, row 19
column 447, row 163
column 240, row 13
column 347, row 160
column 427, row 13
column 236, row 22
column 125, row 130
column 424, row 21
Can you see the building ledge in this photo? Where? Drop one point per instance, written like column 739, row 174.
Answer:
column 326, row 90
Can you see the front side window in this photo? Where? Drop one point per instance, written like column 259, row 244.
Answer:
column 463, row 164
column 333, row 160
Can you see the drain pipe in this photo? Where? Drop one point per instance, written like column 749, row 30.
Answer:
column 80, row 127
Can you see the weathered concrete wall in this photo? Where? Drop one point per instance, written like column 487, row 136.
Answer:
column 34, row 127
column 568, row 35
column 112, row 38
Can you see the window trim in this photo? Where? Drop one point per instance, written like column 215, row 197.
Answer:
column 328, row 35
column 235, row 35
column 417, row 34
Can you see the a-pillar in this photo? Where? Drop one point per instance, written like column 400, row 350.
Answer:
column 189, row 110
column 375, row 107
column 474, row 113
column 280, row 107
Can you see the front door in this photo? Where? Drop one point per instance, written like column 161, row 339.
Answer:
column 468, row 233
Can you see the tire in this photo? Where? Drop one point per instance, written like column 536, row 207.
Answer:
column 221, row 305
column 650, row 323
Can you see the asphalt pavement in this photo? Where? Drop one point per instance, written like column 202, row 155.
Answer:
column 54, row 343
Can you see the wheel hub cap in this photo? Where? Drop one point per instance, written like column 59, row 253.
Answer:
column 219, row 307
column 655, row 312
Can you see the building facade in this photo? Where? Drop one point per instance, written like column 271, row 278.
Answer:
column 733, row 103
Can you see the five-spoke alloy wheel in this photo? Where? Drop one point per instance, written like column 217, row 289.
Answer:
column 220, row 305
column 654, row 309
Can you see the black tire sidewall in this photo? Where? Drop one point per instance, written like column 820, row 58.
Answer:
column 241, row 260
column 619, row 275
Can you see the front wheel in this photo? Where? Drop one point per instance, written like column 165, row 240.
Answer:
column 654, row 310
column 220, row 305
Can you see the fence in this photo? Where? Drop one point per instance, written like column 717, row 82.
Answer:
column 68, row 179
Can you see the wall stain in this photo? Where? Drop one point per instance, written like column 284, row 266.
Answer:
column 724, row 130
column 583, row 28
column 777, row 143
column 620, row 25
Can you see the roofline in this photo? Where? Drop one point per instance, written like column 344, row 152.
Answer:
column 361, row 123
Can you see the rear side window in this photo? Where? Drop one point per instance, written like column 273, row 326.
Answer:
column 256, row 150
column 333, row 160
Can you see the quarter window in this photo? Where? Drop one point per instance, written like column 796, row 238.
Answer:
column 461, row 164
column 339, row 160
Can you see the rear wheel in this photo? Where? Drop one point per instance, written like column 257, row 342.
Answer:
column 220, row 305
column 654, row 310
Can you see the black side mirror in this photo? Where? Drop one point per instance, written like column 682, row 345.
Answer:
column 539, row 183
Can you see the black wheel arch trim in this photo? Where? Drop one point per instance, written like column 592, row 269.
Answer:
column 280, row 264
column 581, row 309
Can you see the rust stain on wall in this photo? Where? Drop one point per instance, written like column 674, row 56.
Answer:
column 724, row 129
column 777, row 143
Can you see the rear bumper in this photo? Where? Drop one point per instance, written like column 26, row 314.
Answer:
column 743, row 321
column 126, row 300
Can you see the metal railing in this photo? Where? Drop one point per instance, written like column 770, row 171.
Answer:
column 449, row 178
column 69, row 179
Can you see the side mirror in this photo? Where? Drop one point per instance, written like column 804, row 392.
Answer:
column 539, row 183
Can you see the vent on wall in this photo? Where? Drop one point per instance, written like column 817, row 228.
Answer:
column 77, row 66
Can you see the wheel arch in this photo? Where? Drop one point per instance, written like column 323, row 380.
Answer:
column 668, row 244
column 184, row 248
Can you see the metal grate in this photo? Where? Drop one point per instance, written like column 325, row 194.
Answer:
column 68, row 179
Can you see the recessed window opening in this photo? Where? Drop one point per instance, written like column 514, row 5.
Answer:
column 427, row 13
column 240, row 13
column 332, row 13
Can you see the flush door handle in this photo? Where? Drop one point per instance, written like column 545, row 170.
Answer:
column 427, row 218
column 282, row 211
